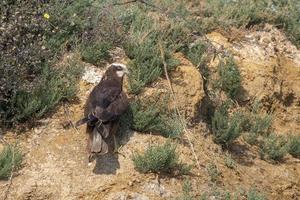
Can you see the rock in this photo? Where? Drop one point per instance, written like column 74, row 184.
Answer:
column 137, row 196
column 117, row 196
column 92, row 74
column 155, row 188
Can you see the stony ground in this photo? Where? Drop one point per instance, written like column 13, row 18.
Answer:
column 55, row 163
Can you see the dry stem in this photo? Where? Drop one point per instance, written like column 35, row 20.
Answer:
column 176, row 107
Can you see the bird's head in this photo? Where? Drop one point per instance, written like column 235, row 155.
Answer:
column 119, row 69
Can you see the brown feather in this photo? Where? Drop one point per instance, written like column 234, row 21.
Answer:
column 103, row 107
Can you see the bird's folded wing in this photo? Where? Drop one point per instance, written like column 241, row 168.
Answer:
column 114, row 110
column 106, row 96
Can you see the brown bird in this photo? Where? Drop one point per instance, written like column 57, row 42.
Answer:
column 105, row 104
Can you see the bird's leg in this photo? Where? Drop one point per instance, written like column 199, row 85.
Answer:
column 117, row 149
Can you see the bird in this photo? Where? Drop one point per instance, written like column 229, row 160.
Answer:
column 105, row 104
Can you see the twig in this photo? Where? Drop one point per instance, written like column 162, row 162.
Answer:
column 137, row 1
column 124, row 3
column 67, row 113
column 11, row 175
column 176, row 107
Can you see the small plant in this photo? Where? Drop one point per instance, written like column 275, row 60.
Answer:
column 254, row 195
column 273, row 147
column 229, row 162
column 226, row 129
column 143, row 49
column 157, row 159
column 55, row 86
column 195, row 53
column 229, row 78
column 256, row 124
column 213, row 172
column 10, row 160
column 294, row 145
column 96, row 52
column 186, row 191
column 148, row 117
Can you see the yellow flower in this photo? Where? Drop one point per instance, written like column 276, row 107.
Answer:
column 46, row 16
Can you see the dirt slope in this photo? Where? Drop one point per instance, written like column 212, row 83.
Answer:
column 270, row 69
column 55, row 163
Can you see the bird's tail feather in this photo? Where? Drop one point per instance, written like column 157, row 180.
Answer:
column 99, row 146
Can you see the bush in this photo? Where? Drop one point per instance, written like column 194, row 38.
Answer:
column 146, row 64
column 229, row 161
column 30, row 83
column 195, row 53
column 273, row 147
column 256, row 124
column 186, row 191
column 213, row 172
column 294, row 145
column 229, row 78
column 149, row 117
column 226, row 129
column 159, row 158
column 247, row 13
column 54, row 86
column 254, row 195
column 10, row 160
column 95, row 53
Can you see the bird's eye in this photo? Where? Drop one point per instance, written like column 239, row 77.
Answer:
column 119, row 68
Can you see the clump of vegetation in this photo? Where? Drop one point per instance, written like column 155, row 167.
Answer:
column 256, row 124
column 254, row 195
column 95, row 53
column 149, row 117
column 10, row 160
column 229, row 161
column 196, row 52
column 186, row 191
column 146, row 63
column 229, row 77
column 294, row 145
column 213, row 172
column 31, row 85
column 159, row 159
column 273, row 147
column 56, row 85
column 226, row 129
column 247, row 13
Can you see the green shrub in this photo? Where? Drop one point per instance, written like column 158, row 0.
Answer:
column 186, row 191
column 254, row 195
column 226, row 129
column 159, row 158
column 56, row 85
column 256, row 124
column 10, row 160
column 146, row 64
column 273, row 147
column 246, row 13
column 229, row 78
column 149, row 117
column 145, row 33
column 294, row 145
column 229, row 161
column 195, row 53
column 213, row 172
column 95, row 53
column 28, row 58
